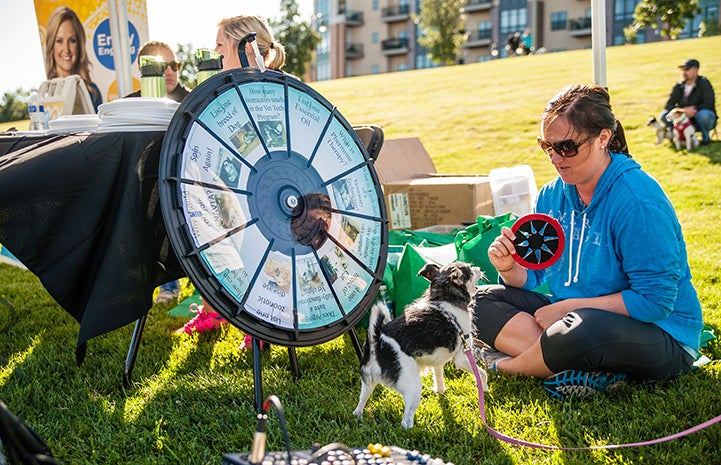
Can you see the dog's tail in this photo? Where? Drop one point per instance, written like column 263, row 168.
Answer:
column 379, row 316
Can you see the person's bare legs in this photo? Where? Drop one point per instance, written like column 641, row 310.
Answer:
column 521, row 339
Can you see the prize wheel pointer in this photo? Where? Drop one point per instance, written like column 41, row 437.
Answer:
column 273, row 207
column 539, row 241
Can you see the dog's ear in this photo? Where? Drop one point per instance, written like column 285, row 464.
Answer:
column 651, row 121
column 429, row 271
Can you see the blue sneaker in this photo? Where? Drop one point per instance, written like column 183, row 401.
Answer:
column 577, row 383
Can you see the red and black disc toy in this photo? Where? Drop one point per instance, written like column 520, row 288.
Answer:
column 539, row 241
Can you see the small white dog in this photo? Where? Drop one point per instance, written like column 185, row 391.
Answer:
column 662, row 131
column 684, row 133
column 427, row 335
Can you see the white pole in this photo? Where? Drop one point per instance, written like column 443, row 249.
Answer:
column 117, row 12
column 598, row 41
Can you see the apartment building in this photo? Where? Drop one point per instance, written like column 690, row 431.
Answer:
column 380, row 36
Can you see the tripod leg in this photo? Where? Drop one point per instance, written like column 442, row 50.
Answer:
column 133, row 350
column 356, row 343
column 257, row 378
column 294, row 363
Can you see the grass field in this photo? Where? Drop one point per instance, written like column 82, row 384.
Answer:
column 192, row 397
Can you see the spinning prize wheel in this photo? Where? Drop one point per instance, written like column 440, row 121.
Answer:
column 273, row 207
column 539, row 241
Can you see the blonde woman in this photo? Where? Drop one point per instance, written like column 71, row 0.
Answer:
column 65, row 52
column 232, row 30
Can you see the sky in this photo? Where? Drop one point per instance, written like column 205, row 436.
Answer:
column 171, row 21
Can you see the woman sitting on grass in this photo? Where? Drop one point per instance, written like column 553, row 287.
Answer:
column 621, row 304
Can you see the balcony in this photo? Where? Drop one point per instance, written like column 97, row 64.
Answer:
column 354, row 18
column 353, row 51
column 579, row 27
column 477, row 5
column 478, row 39
column 391, row 14
column 394, row 46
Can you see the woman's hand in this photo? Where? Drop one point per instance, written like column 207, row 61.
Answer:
column 501, row 251
column 549, row 314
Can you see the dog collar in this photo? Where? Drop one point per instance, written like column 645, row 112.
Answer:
column 452, row 319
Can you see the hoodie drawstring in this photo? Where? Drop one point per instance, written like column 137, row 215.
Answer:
column 570, row 248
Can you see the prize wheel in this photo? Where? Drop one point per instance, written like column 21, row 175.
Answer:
column 273, row 207
column 539, row 241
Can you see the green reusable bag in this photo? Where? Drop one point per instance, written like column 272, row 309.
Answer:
column 472, row 242
column 398, row 241
column 402, row 237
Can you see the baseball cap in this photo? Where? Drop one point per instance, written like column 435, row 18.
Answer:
column 692, row 63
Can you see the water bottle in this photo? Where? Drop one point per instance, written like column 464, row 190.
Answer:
column 36, row 112
column 208, row 62
column 152, row 79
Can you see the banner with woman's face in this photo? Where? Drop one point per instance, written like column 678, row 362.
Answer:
column 75, row 38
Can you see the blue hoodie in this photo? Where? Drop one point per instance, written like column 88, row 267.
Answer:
column 629, row 240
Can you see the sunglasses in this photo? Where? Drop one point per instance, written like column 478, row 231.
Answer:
column 566, row 148
column 174, row 65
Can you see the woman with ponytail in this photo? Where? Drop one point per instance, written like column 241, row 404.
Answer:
column 621, row 305
column 232, row 30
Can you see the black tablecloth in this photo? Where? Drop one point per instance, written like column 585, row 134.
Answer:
column 82, row 212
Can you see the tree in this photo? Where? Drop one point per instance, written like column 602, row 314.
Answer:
column 13, row 106
column 187, row 72
column 442, row 24
column 298, row 38
column 669, row 16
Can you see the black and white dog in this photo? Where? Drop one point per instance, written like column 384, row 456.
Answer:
column 427, row 335
column 662, row 131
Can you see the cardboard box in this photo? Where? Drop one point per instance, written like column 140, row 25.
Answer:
column 417, row 196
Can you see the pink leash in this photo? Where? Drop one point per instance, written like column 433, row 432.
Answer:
column 519, row 442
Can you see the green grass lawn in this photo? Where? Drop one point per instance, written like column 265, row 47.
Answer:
column 22, row 125
column 192, row 397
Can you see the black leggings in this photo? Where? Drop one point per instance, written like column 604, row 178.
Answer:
column 587, row 339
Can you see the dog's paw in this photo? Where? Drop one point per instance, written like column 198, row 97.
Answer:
column 358, row 412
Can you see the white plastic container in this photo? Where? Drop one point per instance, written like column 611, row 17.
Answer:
column 513, row 189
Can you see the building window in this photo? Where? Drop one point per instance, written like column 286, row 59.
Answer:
column 374, row 38
column 514, row 20
column 402, row 67
column 484, row 29
column 623, row 10
column 375, row 5
column 558, row 21
column 374, row 69
column 623, row 17
column 423, row 61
